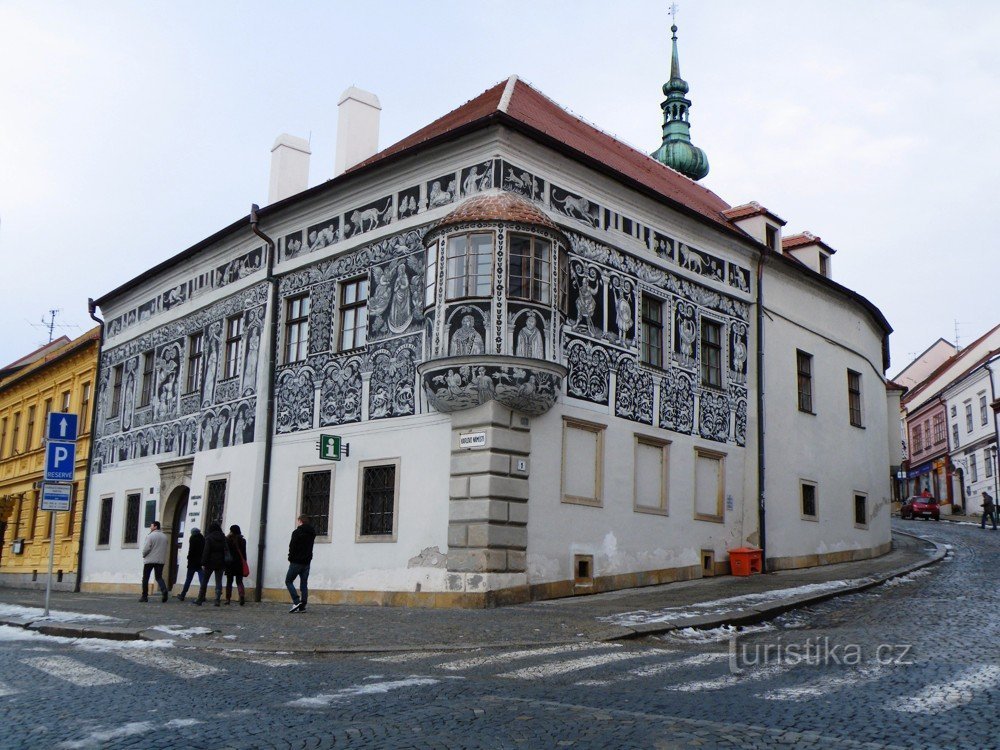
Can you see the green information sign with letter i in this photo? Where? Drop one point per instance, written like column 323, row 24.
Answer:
column 331, row 448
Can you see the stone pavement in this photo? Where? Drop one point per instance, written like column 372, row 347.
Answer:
column 703, row 603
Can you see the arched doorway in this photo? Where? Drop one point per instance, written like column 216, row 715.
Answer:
column 175, row 514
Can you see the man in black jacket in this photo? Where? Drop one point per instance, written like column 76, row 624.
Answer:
column 300, row 554
column 196, row 546
column 213, row 560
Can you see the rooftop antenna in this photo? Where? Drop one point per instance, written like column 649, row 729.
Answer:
column 51, row 324
column 958, row 342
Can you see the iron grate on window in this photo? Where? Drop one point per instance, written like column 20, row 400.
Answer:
column 131, row 519
column 104, row 533
column 378, row 501
column 316, row 500
column 215, row 506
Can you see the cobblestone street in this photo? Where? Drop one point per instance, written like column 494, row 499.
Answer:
column 908, row 664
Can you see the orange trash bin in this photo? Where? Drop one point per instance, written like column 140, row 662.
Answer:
column 744, row 561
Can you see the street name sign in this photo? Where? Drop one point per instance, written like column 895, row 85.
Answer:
column 472, row 440
column 61, row 427
column 56, row 496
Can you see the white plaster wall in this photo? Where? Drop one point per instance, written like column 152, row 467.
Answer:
column 621, row 539
column 823, row 448
column 423, row 444
column 978, row 440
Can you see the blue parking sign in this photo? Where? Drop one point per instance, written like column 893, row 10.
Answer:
column 61, row 426
column 60, row 459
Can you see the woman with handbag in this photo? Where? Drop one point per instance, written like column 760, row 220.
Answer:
column 213, row 560
column 237, row 568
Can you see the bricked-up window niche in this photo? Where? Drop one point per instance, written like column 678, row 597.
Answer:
column 104, row 527
column 297, row 328
column 316, row 500
column 353, row 313
column 131, row 532
column 215, row 502
column 196, row 346
column 529, row 263
column 709, row 485
column 379, row 498
column 860, row 510
column 803, row 366
column 582, row 462
column 234, row 335
column 711, row 353
column 469, row 267
column 650, row 479
column 807, row 492
column 854, row 397
column 652, row 331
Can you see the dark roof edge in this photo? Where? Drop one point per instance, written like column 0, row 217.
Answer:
column 914, row 360
column 91, row 336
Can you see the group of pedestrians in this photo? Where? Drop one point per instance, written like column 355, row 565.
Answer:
column 218, row 554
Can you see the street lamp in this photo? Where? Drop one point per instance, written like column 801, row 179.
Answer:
column 996, row 479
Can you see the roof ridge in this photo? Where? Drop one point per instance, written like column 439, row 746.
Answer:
column 508, row 92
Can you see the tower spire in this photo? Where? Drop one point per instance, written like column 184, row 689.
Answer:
column 676, row 150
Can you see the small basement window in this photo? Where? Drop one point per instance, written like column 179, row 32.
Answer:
column 583, row 570
column 707, row 562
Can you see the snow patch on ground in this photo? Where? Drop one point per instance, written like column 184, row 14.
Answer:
column 716, row 635
column 97, row 739
column 909, row 577
column 721, row 606
column 37, row 613
column 178, row 631
column 8, row 633
column 372, row 688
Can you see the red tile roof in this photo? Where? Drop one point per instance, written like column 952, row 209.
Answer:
column 497, row 207
column 517, row 104
column 804, row 239
column 751, row 209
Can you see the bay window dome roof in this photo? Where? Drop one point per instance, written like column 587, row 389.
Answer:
column 498, row 206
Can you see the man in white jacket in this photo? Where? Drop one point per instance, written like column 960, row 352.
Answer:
column 154, row 557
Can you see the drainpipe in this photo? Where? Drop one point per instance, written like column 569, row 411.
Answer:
column 92, row 309
column 265, row 492
column 761, row 494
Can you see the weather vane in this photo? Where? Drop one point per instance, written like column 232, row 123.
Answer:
column 673, row 12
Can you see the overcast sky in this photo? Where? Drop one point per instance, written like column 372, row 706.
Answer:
column 129, row 131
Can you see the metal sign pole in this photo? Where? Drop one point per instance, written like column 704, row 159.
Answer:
column 52, row 555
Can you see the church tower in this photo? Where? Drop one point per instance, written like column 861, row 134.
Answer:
column 677, row 151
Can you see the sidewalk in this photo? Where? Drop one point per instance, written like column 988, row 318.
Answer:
column 703, row 603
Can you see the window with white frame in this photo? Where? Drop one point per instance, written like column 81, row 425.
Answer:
column 983, row 414
column 968, row 417
column 582, row 462
column 234, row 336
column 297, row 328
column 353, row 313
column 651, row 474
column 469, row 266
column 196, row 344
column 954, row 435
column 652, row 331
column 918, row 438
column 146, row 387
column 529, row 264
column 973, row 468
column 430, row 274
column 987, row 462
column 711, row 353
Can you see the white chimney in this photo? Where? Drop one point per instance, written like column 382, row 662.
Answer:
column 289, row 167
column 357, row 128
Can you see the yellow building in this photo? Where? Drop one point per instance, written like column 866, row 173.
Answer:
column 59, row 377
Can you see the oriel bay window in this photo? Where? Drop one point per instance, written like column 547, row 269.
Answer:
column 297, row 329
column 469, row 267
column 430, row 275
column 529, row 267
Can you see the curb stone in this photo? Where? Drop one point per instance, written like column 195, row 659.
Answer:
column 736, row 617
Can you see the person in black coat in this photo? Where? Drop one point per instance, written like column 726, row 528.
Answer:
column 234, row 568
column 213, row 560
column 300, row 554
column 196, row 547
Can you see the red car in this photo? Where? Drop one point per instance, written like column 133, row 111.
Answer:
column 920, row 507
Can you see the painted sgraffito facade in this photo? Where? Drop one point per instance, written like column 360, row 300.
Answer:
column 479, row 300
